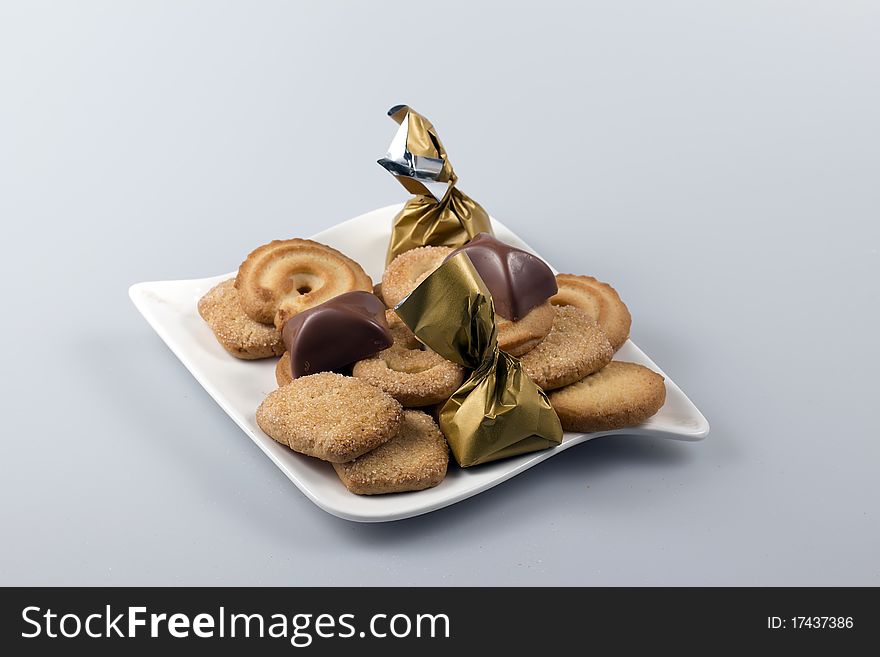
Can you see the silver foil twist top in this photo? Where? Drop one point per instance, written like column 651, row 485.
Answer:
column 416, row 156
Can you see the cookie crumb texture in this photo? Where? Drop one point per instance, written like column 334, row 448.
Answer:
column 617, row 396
column 283, row 373
column 599, row 300
column 410, row 268
column 415, row 459
column 575, row 347
column 520, row 337
column 332, row 417
column 240, row 335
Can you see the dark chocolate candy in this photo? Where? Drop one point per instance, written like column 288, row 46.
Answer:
column 518, row 280
column 336, row 333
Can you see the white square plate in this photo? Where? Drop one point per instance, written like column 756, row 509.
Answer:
column 239, row 386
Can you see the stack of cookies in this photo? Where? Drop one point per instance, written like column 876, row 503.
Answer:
column 358, row 389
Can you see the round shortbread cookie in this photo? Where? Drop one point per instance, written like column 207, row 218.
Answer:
column 415, row 459
column 574, row 348
column 617, row 396
column 285, row 277
column 520, row 337
column 408, row 370
column 235, row 331
column 332, row 417
column 599, row 300
column 406, row 271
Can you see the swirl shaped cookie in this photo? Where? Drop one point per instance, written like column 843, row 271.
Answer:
column 235, row 331
column 574, row 348
column 599, row 300
column 619, row 395
column 285, row 277
column 408, row 371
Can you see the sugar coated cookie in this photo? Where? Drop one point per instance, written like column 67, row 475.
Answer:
column 617, row 396
column 332, row 417
column 520, row 337
column 415, row 459
column 407, row 270
column 283, row 372
column 409, row 371
column 284, row 277
column 239, row 334
column 599, row 300
column 574, row 348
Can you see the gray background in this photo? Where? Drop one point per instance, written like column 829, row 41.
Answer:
column 718, row 162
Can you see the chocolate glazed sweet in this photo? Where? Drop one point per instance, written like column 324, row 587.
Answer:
column 339, row 332
column 518, row 280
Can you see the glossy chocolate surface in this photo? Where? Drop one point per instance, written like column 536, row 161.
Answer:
column 518, row 280
column 336, row 333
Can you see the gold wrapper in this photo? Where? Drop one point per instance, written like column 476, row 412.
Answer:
column 498, row 411
column 440, row 214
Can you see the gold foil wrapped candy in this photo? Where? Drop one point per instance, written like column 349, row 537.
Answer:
column 439, row 214
column 498, row 411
